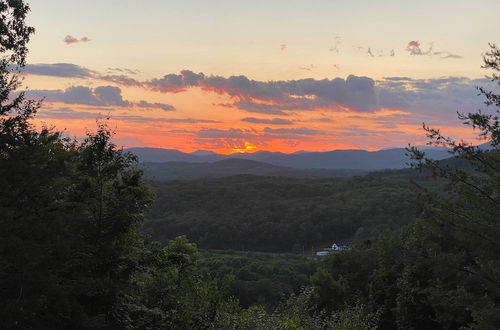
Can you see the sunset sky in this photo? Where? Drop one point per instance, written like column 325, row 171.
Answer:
column 234, row 75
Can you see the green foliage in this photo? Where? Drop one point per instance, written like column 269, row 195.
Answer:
column 279, row 214
column 299, row 312
column 14, row 108
column 356, row 318
column 259, row 278
column 14, row 31
column 69, row 229
column 170, row 293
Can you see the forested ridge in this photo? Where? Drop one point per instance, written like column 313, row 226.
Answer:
column 280, row 214
column 184, row 170
column 76, row 220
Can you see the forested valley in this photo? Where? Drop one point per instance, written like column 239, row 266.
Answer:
column 86, row 242
column 279, row 214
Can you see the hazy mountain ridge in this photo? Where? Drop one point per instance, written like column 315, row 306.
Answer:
column 231, row 166
column 331, row 160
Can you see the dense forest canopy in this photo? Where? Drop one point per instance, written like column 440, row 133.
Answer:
column 259, row 278
column 280, row 214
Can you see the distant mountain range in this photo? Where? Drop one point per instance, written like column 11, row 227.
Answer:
column 231, row 166
column 330, row 160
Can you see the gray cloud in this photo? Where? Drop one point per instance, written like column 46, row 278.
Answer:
column 362, row 94
column 190, row 121
column 307, row 68
column 359, row 131
column 110, row 95
column 65, row 112
column 414, row 48
column 234, row 133
column 297, row 131
column 433, row 96
column 335, row 48
column 445, row 55
column 224, row 105
column 181, row 131
column 122, row 80
column 269, row 109
column 355, row 93
column 99, row 96
column 162, row 120
column 274, row 121
column 123, row 71
column 145, row 104
column 173, row 83
column 68, row 40
column 398, row 79
column 275, row 97
column 66, row 70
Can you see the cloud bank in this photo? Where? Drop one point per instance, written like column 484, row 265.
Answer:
column 282, row 98
column 61, row 70
column 98, row 96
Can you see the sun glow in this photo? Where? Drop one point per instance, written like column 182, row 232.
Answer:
column 247, row 148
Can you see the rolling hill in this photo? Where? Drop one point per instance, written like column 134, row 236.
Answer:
column 227, row 167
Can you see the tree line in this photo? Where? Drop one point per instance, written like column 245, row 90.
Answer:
column 273, row 214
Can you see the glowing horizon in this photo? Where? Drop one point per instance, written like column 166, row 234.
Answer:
column 279, row 75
